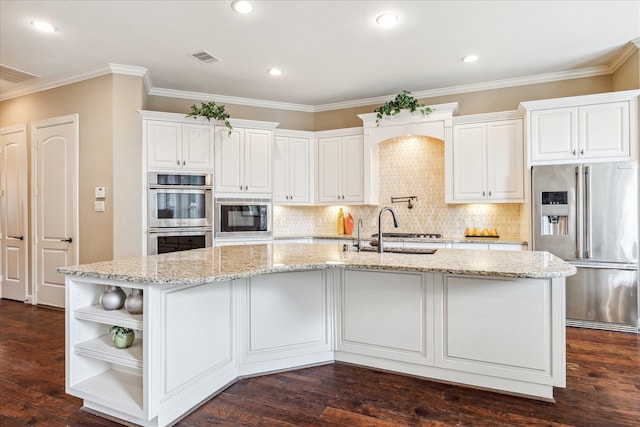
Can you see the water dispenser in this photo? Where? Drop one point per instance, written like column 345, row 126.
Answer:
column 554, row 213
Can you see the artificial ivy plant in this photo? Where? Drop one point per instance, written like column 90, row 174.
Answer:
column 402, row 101
column 211, row 110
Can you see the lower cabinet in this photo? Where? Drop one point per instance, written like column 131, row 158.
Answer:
column 369, row 326
column 285, row 320
column 501, row 327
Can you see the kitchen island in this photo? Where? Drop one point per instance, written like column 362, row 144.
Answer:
column 489, row 319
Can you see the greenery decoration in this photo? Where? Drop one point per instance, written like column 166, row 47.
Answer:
column 402, row 101
column 211, row 110
column 120, row 330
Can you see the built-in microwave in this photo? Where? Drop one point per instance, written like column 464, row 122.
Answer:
column 165, row 240
column 240, row 218
column 179, row 200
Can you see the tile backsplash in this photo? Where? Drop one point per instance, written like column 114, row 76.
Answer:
column 409, row 166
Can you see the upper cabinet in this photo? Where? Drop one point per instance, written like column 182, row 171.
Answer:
column 340, row 168
column 179, row 146
column 243, row 162
column 292, row 168
column 486, row 162
column 587, row 128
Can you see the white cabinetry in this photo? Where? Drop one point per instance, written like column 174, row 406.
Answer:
column 487, row 162
column 521, row 348
column 391, row 322
column 243, row 162
column 592, row 128
column 184, row 348
column 340, row 171
column 178, row 146
column 292, row 168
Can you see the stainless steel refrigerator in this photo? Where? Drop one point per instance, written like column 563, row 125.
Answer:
column 587, row 214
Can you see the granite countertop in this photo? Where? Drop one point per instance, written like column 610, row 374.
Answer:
column 443, row 239
column 234, row 262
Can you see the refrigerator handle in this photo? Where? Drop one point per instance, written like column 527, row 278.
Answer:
column 587, row 212
column 578, row 203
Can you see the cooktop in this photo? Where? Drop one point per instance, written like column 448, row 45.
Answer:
column 410, row 235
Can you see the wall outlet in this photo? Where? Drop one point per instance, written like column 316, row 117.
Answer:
column 98, row 206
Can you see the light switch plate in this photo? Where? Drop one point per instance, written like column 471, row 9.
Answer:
column 98, row 206
column 101, row 192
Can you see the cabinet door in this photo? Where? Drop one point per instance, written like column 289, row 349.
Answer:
column 329, row 179
column 298, row 168
column 505, row 180
column 197, row 147
column 164, row 145
column 280, row 169
column 604, row 131
column 257, row 161
column 469, row 163
column 554, row 135
column 352, row 164
column 229, row 154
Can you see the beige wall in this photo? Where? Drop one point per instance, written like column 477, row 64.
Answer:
column 288, row 119
column 129, row 96
column 627, row 76
column 92, row 100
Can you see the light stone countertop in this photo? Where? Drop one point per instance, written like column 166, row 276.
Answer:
column 443, row 239
column 234, row 262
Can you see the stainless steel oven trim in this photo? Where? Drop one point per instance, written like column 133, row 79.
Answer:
column 243, row 234
column 152, row 179
column 152, row 243
column 153, row 221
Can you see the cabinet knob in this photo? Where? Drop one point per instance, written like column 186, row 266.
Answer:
column 582, row 151
column 574, row 152
column 246, row 187
column 184, row 162
column 484, row 193
column 489, row 193
column 178, row 162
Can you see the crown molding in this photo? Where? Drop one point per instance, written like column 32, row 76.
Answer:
column 200, row 96
column 65, row 80
column 628, row 50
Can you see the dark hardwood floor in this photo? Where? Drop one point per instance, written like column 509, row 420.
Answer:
column 603, row 388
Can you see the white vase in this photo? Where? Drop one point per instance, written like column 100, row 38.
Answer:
column 134, row 301
column 112, row 298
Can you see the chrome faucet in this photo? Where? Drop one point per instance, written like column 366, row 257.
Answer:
column 359, row 244
column 395, row 224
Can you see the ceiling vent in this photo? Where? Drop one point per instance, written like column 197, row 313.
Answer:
column 14, row 75
column 204, row 57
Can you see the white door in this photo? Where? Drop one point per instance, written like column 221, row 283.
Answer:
column 55, row 172
column 13, row 205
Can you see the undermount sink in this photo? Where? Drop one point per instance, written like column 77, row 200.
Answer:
column 421, row 251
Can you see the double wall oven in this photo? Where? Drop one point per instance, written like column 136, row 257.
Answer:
column 180, row 212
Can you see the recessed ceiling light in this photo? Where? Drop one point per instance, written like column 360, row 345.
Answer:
column 45, row 27
column 470, row 58
column 387, row 19
column 242, row 6
column 275, row 71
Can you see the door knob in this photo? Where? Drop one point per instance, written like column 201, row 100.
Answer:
column 68, row 240
column 17, row 237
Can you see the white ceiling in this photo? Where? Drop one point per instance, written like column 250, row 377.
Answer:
column 332, row 52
